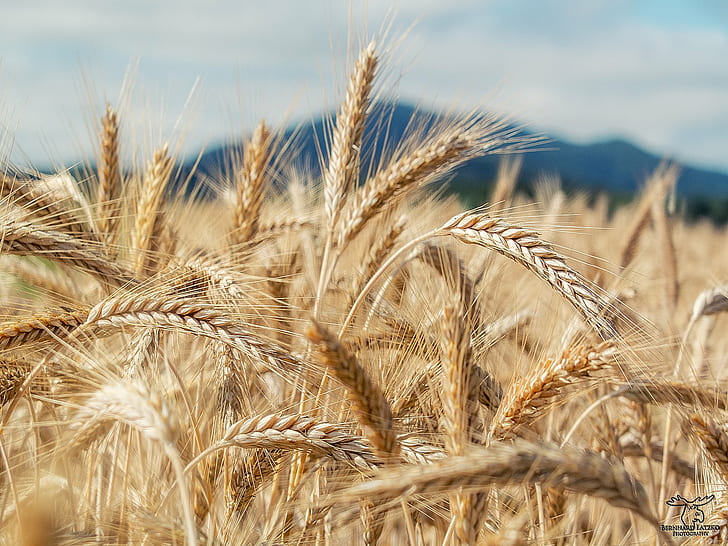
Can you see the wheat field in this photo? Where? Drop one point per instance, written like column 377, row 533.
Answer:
column 354, row 359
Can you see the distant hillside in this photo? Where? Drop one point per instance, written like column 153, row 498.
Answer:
column 613, row 166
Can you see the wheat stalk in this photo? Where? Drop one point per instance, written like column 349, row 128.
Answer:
column 134, row 405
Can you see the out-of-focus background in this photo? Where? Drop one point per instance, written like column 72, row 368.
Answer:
column 618, row 85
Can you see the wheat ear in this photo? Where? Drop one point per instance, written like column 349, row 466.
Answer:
column 134, row 405
column 505, row 184
column 42, row 206
column 343, row 164
column 371, row 407
column 442, row 153
column 27, row 239
column 460, row 401
column 528, row 249
column 295, row 432
column 521, row 245
column 713, row 438
column 42, row 277
column 109, row 174
column 583, row 472
column 149, row 208
column 654, row 191
column 251, row 186
column 526, row 400
column 41, row 327
column 12, row 376
column 346, row 143
column 194, row 317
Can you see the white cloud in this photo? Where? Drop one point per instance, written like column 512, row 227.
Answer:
column 584, row 70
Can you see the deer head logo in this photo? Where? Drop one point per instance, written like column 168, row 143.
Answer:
column 691, row 512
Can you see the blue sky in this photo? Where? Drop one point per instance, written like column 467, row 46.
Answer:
column 653, row 71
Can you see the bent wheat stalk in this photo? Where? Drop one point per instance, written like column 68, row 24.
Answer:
column 295, row 432
column 523, row 246
column 500, row 464
column 192, row 316
column 134, row 405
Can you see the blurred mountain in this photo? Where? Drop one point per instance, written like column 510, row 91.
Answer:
column 613, row 166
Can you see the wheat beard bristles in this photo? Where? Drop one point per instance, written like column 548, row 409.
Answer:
column 526, row 247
